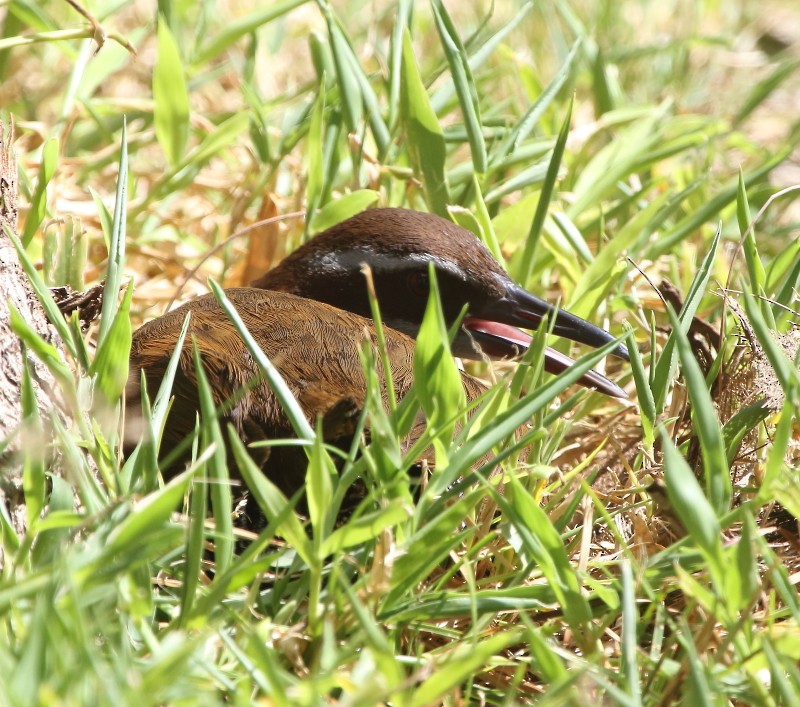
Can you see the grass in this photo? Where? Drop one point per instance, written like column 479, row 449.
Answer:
column 640, row 552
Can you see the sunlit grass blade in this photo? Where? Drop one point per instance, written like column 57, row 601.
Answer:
column 195, row 539
column 784, row 674
column 53, row 530
column 693, row 508
column 38, row 204
column 644, row 396
column 630, row 621
column 46, row 352
column 110, row 364
column 276, row 507
column 319, row 488
column 505, row 424
column 245, row 25
column 436, row 377
column 710, row 208
column 602, row 85
column 538, row 541
column 366, row 527
column 402, row 21
column 43, row 294
column 479, row 57
column 612, row 163
column 314, row 157
column 351, row 99
column 147, row 520
column 171, row 96
column 776, row 458
column 664, row 369
column 743, row 581
column 464, row 83
column 161, row 403
column 426, row 146
column 217, row 483
column 341, row 209
column 705, row 424
column 764, row 88
column 528, row 122
column 458, row 665
column 609, row 262
column 744, row 421
column 546, row 194
column 755, row 268
column 116, row 253
column 33, row 436
column 288, row 402
column 64, row 254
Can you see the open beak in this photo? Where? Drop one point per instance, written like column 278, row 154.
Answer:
column 494, row 328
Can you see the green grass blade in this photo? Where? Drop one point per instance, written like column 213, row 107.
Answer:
column 630, row 643
column 705, row 424
column 644, row 396
column 776, row 458
column 149, row 517
column 402, row 22
column 285, row 397
column 319, row 489
column 539, row 542
column 33, row 434
column 744, row 421
column 171, row 96
column 710, row 208
column 195, row 541
column 44, row 296
column 465, row 88
column 665, row 368
column 458, row 665
column 692, row 507
column 436, row 377
column 218, row 483
column 426, row 148
column 528, row 122
column 273, row 503
column 342, row 209
column 764, row 88
column 366, row 528
column 315, row 173
column 116, row 253
column 605, row 268
column 506, row 424
column 38, row 206
column 546, row 195
column 110, row 364
column 480, row 56
column 248, row 24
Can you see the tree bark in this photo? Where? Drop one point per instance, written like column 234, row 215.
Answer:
column 16, row 291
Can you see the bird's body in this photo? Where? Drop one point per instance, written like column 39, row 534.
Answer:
column 306, row 314
column 327, row 380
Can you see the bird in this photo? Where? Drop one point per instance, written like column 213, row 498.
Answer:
column 311, row 312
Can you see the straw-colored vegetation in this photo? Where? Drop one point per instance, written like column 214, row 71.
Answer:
column 615, row 155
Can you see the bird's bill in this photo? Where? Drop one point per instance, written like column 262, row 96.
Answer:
column 494, row 329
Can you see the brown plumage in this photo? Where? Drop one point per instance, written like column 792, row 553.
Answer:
column 327, row 380
column 300, row 322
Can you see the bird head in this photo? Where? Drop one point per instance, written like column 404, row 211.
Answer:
column 398, row 245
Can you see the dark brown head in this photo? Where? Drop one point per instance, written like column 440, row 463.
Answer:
column 398, row 244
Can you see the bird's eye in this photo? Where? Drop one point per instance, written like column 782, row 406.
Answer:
column 419, row 283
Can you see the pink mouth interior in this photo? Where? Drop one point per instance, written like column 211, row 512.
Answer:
column 554, row 361
column 501, row 331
